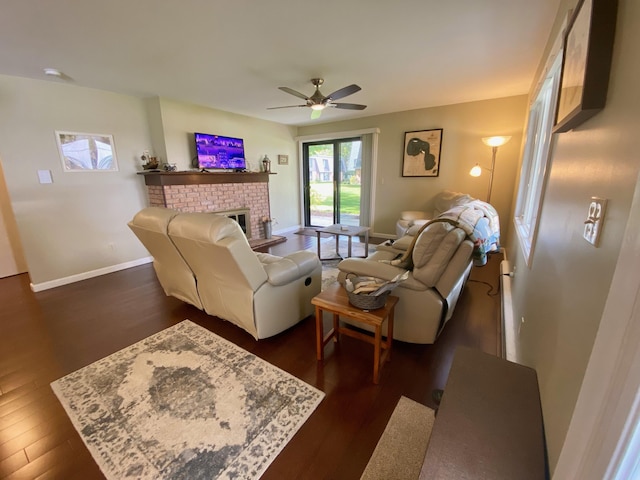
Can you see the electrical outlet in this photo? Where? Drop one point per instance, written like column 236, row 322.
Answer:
column 595, row 218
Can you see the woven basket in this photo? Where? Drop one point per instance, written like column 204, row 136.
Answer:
column 365, row 301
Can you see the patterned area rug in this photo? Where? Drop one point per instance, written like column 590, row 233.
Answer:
column 185, row 404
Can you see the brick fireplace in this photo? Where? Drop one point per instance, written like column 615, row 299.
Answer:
column 213, row 192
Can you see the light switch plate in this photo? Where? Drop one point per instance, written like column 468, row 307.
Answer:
column 44, row 176
column 594, row 221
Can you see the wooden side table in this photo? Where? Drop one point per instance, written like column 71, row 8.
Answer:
column 347, row 231
column 335, row 300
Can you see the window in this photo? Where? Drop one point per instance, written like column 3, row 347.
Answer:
column 537, row 153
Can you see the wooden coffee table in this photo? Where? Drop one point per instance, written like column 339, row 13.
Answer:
column 335, row 300
column 347, row 231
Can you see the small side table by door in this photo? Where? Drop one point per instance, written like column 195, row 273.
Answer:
column 347, row 231
column 335, row 300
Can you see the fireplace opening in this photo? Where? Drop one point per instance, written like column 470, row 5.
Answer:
column 240, row 216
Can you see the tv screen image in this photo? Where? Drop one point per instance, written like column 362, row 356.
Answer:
column 216, row 151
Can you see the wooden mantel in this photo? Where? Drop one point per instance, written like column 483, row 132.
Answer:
column 195, row 178
column 213, row 192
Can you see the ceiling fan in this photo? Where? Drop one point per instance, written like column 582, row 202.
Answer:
column 318, row 102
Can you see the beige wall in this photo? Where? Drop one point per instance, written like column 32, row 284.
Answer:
column 562, row 295
column 12, row 259
column 79, row 222
column 463, row 127
column 181, row 120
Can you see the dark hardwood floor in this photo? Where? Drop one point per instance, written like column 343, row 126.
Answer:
column 46, row 335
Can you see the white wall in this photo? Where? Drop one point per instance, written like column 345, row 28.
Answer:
column 79, row 222
column 12, row 259
column 562, row 295
column 463, row 127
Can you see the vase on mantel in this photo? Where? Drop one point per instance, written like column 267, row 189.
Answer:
column 266, row 164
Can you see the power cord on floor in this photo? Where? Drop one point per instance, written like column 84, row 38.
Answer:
column 491, row 292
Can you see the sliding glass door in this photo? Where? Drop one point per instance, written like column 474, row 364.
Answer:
column 332, row 182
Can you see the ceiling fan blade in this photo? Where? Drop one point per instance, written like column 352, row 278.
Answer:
column 349, row 106
column 343, row 92
column 315, row 114
column 287, row 106
column 294, row 93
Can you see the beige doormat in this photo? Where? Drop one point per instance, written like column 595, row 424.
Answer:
column 185, row 403
column 401, row 449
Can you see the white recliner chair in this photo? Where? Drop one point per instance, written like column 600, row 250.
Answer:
column 261, row 293
column 176, row 278
column 438, row 260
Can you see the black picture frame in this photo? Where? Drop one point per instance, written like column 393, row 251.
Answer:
column 421, row 153
column 586, row 63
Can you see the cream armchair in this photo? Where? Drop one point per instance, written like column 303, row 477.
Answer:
column 408, row 219
column 261, row 293
column 438, row 261
column 437, row 205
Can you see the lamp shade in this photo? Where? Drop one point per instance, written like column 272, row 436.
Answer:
column 476, row 171
column 495, row 141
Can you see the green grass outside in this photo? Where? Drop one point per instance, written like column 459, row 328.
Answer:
column 322, row 193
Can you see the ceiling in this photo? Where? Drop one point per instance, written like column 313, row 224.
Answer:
column 233, row 55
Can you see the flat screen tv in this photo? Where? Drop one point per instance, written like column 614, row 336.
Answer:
column 218, row 152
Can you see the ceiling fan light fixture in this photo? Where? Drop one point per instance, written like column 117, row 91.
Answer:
column 318, row 106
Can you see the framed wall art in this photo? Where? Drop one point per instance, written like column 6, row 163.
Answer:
column 87, row 152
column 421, row 153
column 283, row 159
column 586, row 62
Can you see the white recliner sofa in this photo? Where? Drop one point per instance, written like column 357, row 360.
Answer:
column 438, row 260
column 261, row 293
column 176, row 278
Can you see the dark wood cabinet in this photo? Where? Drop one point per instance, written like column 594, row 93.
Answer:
column 489, row 424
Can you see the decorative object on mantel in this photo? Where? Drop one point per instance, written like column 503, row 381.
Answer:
column 421, row 154
column 476, row 171
column 194, row 405
column 170, row 167
column 149, row 162
column 283, row 159
column 588, row 49
column 266, row 164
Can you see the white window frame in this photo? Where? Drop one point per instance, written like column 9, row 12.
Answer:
column 536, row 158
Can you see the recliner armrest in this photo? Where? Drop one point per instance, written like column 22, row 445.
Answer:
column 283, row 270
column 368, row 268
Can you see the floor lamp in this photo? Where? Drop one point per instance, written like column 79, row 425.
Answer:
column 494, row 143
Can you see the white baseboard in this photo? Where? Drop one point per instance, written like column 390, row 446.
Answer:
column 284, row 231
column 509, row 325
column 38, row 287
